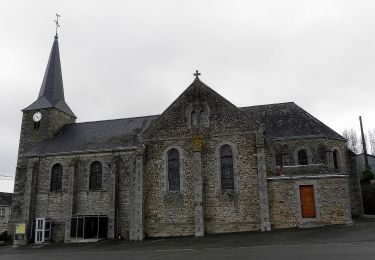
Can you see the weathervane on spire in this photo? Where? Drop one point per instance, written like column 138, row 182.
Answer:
column 57, row 22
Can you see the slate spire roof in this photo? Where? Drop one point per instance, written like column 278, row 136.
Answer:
column 51, row 93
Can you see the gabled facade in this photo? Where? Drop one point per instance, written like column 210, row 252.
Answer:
column 202, row 166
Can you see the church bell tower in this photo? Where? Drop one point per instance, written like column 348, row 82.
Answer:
column 41, row 120
column 49, row 113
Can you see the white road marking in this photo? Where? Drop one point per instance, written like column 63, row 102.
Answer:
column 190, row 249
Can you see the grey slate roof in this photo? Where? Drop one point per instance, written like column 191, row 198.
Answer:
column 288, row 120
column 284, row 120
column 93, row 136
column 51, row 93
column 6, row 198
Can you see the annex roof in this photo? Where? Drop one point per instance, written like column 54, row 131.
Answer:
column 288, row 120
column 6, row 198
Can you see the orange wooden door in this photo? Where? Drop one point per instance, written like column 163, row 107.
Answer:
column 307, row 201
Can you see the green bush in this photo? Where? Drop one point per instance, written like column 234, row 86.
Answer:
column 367, row 175
column 368, row 195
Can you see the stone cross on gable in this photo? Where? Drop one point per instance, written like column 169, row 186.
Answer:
column 196, row 74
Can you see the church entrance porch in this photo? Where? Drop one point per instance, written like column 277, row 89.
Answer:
column 88, row 228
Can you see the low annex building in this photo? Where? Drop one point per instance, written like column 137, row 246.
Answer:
column 202, row 166
column 5, row 204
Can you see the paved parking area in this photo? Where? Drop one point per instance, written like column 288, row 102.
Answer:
column 337, row 242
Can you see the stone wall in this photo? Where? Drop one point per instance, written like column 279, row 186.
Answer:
column 174, row 213
column 319, row 151
column 355, row 190
column 52, row 121
column 126, row 169
column 171, row 213
column 331, row 196
column 60, row 206
column 168, row 213
column 335, row 203
column 282, row 201
column 226, row 211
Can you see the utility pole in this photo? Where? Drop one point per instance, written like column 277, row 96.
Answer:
column 364, row 145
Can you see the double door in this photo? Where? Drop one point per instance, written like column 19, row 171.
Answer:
column 42, row 230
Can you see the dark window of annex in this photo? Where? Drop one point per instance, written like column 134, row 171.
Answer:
column 96, row 176
column 56, row 177
column 173, row 170
column 226, row 167
column 302, row 157
column 283, row 160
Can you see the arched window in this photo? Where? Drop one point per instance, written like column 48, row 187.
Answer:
column 336, row 158
column 56, row 177
column 202, row 118
column 95, row 176
column 226, row 167
column 302, row 157
column 194, row 118
column 279, row 160
column 173, row 170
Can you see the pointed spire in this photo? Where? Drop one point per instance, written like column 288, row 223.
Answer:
column 51, row 93
column 52, row 86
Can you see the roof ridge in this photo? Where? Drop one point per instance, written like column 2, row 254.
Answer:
column 115, row 119
column 281, row 103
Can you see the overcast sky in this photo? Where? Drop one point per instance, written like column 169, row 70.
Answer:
column 133, row 58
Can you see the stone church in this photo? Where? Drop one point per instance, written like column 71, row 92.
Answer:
column 202, row 166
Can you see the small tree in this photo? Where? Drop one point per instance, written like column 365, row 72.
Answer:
column 367, row 175
column 371, row 140
column 353, row 142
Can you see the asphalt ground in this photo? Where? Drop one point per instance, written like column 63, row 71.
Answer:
column 334, row 242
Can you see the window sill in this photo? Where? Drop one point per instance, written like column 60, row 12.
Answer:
column 173, row 191
column 173, row 198
column 230, row 193
column 300, row 165
column 96, row 190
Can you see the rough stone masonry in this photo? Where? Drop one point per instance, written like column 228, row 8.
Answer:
column 202, row 166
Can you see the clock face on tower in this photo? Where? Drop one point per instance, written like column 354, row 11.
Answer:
column 37, row 116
